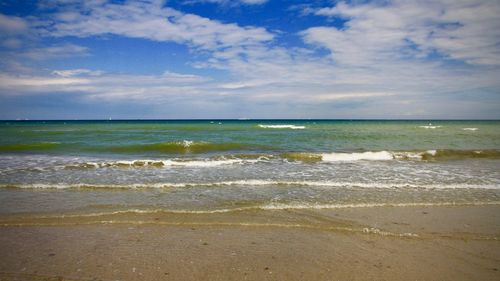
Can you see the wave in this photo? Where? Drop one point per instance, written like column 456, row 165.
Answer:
column 41, row 146
column 259, row 158
column 164, row 163
column 430, row 126
column 276, row 206
column 180, row 147
column 251, row 182
column 302, row 157
column 429, row 155
column 469, row 129
column 452, row 154
column 369, row 155
column 357, row 156
column 293, row 127
column 299, row 206
column 175, row 147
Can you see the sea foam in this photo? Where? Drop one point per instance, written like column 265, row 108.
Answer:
column 430, row 126
column 434, row 155
column 334, row 157
column 293, row 127
column 255, row 183
column 164, row 163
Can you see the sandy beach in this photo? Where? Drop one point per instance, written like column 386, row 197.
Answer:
column 389, row 243
column 230, row 140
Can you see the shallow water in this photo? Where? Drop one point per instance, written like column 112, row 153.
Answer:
column 228, row 165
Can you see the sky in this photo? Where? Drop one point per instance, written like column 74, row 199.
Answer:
column 191, row 59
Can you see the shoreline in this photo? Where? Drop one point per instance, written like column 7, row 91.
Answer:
column 446, row 243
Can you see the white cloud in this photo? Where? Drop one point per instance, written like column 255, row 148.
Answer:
column 351, row 96
column 150, row 20
column 253, row 2
column 96, row 83
column 55, row 52
column 76, row 72
column 323, row 96
column 224, row 43
column 12, row 25
column 12, row 29
column 463, row 30
column 228, row 2
column 183, row 78
column 18, row 85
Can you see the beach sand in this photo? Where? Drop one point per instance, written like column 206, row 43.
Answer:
column 381, row 243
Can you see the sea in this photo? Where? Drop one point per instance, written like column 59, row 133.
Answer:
column 223, row 166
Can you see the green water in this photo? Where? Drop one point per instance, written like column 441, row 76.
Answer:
column 157, row 138
column 214, row 165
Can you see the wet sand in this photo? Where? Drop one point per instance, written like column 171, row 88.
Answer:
column 386, row 243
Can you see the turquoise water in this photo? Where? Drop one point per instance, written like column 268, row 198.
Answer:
column 223, row 165
column 158, row 138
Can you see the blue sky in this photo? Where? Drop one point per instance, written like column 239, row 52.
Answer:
column 97, row 59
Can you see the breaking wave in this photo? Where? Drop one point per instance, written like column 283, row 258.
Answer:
column 278, row 206
column 430, row 155
column 333, row 157
column 293, row 127
column 252, row 182
column 430, row 126
column 165, row 163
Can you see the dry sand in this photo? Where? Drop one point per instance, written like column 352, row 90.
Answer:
column 389, row 243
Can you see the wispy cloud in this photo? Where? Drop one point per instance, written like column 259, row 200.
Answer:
column 12, row 25
column 398, row 59
column 55, row 52
column 76, row 72
column 149, row 20
column 12, row 31
column 228, row 2
column 462, row 30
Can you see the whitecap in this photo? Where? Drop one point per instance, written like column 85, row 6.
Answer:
column 430, row 126
column 205, row 163
column 293, row 127
column 166, row 163
column 253, row 182
column 187, row 143
column 299, row 206
column 369, row 155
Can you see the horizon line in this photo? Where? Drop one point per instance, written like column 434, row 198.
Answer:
column 246, row 119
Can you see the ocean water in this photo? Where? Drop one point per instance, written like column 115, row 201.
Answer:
column 211, row 166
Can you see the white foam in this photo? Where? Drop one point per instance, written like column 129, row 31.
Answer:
column 413, row 155
column 431, row 152
column 187, row 143
column 293, row 127
column 167, row 163
column 369, row 155
column 408, row 155
column 282, row 206
column 376, row 156
column 299, row 206
column 254, row 182
column 430, row 126
column 206, row 163
column 469, row 129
